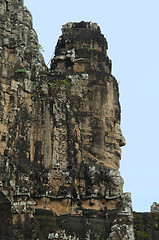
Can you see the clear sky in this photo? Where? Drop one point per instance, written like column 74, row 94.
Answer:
column 131, row 28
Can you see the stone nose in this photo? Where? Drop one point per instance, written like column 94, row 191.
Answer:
column 119, row 135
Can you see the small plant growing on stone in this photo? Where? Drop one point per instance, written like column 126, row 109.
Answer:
column 41, row 48
column 90, row 91
column 21, row 70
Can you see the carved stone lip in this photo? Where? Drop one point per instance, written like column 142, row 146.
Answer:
column 118, row 153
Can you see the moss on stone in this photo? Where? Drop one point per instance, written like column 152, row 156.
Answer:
column 142, row 234
column 21, row 70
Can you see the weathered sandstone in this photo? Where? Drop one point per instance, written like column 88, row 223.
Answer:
column 60, row 136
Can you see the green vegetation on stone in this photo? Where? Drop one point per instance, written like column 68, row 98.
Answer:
column 142, row 234
column 41, row 48
column 90, row 92
column 60, row 85
column 21, row 70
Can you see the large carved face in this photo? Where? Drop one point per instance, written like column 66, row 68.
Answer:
column 102, row 134
column 91, row 123
column 94, row 110
column 96, row 121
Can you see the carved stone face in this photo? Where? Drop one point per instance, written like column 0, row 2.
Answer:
column 107, row 138
column 87, row 118
column 99, row 123
column 94, row 104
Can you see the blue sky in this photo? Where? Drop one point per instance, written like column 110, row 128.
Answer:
column 131, row 29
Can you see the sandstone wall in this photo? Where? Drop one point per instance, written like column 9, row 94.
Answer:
column 60, row 134
column 146, row 226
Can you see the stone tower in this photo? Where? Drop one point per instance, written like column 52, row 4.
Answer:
column 87, row 135
column 60, row 134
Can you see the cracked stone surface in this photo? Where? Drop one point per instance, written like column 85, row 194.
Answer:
column 60, row 136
